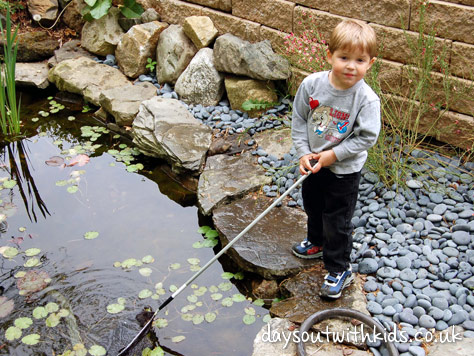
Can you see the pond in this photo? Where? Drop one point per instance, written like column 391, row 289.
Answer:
column 104, row 232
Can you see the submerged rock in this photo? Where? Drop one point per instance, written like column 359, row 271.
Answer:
column 266, row 248
column 165, row 129
column 228, row 177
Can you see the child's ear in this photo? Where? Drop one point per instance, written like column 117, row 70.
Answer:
column 372, row 61
column 329, row 56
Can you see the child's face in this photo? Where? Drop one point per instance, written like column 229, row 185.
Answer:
column 348, row 67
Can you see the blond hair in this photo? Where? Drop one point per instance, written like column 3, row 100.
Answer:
column 351, row 34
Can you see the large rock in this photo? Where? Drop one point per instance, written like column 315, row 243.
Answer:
column 303, row 300
column 254, row 60
column 33, row 46
column 165, row 129
column 266, row 248
column 462, row 347
column 123, row 102
column 69, row 50
column 102, row 36
column 201, row 83
column 47, row 10
column 277, row 338
column 228, row 177
column 240, row 89
column 72, row 16
column 136, row 46
column 32, row 74
column 173, row 54
column 201, row 30
column 275, row 142
column 86, row 77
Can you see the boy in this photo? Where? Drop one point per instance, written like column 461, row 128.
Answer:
column 336, row 119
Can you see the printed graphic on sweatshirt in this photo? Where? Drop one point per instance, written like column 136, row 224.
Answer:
column 329, row 123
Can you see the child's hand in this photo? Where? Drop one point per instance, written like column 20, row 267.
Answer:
column 325, row 158
column 305, row 163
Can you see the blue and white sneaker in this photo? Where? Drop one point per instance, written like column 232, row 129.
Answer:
column 306, row 249
column 334, row 283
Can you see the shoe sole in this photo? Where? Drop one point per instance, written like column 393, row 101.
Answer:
column 347, row 282
column 308, row 257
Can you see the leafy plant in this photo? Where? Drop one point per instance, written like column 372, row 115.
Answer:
column 9, row 111
column 95, row 9
column 253, row 104
column 150, row 64
column 10, row 7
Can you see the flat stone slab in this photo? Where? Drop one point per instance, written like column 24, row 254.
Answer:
column 275, row 142
column 266, row 248
column 462, row 347
column 32, row 74
column 304, row 300
column 272, row 340
column 228, row 177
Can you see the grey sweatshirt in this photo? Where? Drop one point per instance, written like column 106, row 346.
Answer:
column 324, row 116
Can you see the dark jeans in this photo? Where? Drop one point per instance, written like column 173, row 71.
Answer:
column 329, row 201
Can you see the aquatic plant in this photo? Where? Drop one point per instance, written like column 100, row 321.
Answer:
column 9, row 109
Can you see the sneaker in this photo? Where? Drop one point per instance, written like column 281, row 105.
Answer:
column 306, row 249
column 334, row 283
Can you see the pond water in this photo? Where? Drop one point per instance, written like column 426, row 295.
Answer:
column 131, row 213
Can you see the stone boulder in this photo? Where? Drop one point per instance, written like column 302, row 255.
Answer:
column 266, row 248
column 72, row 16
column 33, row 46
column 69, row 50
column 165, row 129
column 201, row 30
column 123, row 102
column 201, row 83
column 240, row 89
column 173, row 54
column 32, row 75
column 254, row 60
column 102, row 36
column 302, row 292
column 86, row 77
column 136, row 46
column 276, row 338
column 275, row 142
column 150, row 15
column 47, row 10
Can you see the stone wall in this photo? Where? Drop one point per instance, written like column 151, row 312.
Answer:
column 276, row 19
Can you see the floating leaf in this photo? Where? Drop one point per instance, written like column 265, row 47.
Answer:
column 55, row 161
column 80, row 160
column 157, row 351
column 32, row 282
column 198, row 319
column 211, row 234
column 23, row 323
column 97, row 350
column 32, row 262
column 227, row 275
column 121, row 300
column 178, row 338
column 259, row 302
column 160, row 323
column 192, row 298
column 210, row 243
column 9, row 184
column 204, row 229
column 129, row 262
column 90, row 235
column 249, row 311
column 193, row 261
column 210, row 317
column 52, row 320
column 52, row 307
column 117, row 264
column 198, row 244
column 72, row 189
column 213, row 289
column 248, row 319
column 194, row 268
column 10, row 252
column 62, row 313
column 225, row 286
column 173, row 288
column 145, row 272
column 267, row 318
column 201, row 291
column 39, row 313
column 238, row 297
column 239, row 276
column 22, row 229
column 187, row 317
column 6, row 306
column 148, row 259
column 216, row 296
column 31, row 339
column 145, row 293
column 13, row 333
column 115, row 308
column 61, row 183
column 32, row 252
column 34, row 119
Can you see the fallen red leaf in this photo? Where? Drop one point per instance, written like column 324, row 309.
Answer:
column 80, row 160
column 55, row 161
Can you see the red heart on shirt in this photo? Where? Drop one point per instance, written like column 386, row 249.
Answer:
column 313, row 103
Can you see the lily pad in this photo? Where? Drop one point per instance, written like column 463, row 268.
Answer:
column 32, row 262
column 204, row 229
column 6, row 306
column 52, row 320
column 9, row 184
column 248, row 319
column 198, row 319
column 145, row 293
column 210, row 317
column 267, row 318
column 225, row 286
column 115, row 308
column 13, row 333
column 193, row 261
column 175, row 266
column 62, row 313
column 227, row 302
column 160, row 323
column 249, row 311
column 121, row 300
column 187, row 317
column 23, row 323
column 52, row 307
column 32, row 252
column 227, row 275
column 40, row 312
column 72, row 189
column 178, row 338
column 157, row 351
column 259, row 302
column 32, row 282
column 192, row 298
column 90, row 235
column 31, row 339
column 146, row 272
column 238, row 297
column 129, row 262
column 216, row 296
column 148, row 259
column 10, row 252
